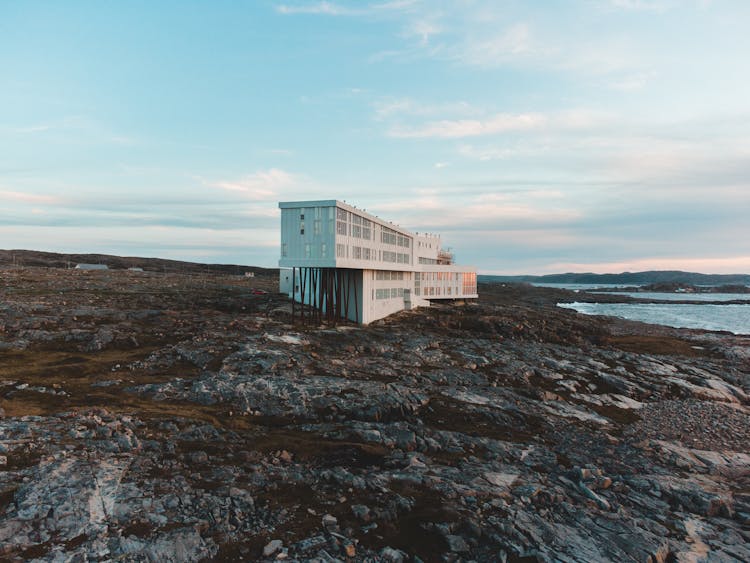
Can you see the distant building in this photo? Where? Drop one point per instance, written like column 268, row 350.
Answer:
column 92, row 267
column 341, row 262
column 135, row 269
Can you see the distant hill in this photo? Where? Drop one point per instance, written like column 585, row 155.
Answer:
column 650, row 277
column 54, row 260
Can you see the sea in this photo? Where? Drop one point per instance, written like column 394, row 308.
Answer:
column 729, row 317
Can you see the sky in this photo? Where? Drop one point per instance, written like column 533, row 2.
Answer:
column 534, row 136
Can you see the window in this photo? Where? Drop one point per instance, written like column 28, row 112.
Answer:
column 301, row 216
column 341, row 228
column 366, row 231
column 469, row 283
column 284, row 248
column 316, row 227
column 308, row 250
column 323, row 250
column 340, row 250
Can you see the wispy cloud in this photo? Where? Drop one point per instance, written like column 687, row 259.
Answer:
column 641, row 5
column 72, row 121
column 339, row 9
column 28, row 197
column 262, row 185
column 394, row 107
column 447, row 129
column 326, row 8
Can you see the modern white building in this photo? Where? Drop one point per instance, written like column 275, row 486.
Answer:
column 338, row 261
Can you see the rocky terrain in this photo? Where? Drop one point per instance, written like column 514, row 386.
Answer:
column 183, row 417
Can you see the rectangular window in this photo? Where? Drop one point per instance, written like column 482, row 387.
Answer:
column 341, row 228
column 316, row 226
column 323, row 250
column 284, row 248
column 308, row 250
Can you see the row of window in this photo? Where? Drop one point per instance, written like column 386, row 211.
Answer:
column 389, row 293
column 388, row 275
column 435, row 291
column 470, row 283
column 441, row 276
column 395, row 257
column 423, row 260
column 351, row 224
column 316, row 212
column 389, row 236
column 362, row 253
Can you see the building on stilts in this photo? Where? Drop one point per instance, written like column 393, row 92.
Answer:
column 340, row 262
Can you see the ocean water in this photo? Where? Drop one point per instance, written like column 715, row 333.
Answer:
column 731, row 317
column 681, row 296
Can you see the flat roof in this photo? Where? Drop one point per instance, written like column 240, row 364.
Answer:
column 352, row 209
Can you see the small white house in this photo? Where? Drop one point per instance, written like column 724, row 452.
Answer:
column 92, row 267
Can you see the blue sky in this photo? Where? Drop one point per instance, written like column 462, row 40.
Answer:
column 536, row 137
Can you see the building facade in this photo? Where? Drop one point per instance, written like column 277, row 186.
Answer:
column 341, row 262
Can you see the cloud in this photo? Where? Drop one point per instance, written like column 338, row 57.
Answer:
column 568, row 120
column 447, row 129
column 262, row 186
column 499, row 212
column 333, row 9
column 513, row 43
column 424, row 29
column 325, row 8
column 640, row 5
column 34, row 128
column 632, row 82
column 486, row 153
column 28, row 197
column 395, row 107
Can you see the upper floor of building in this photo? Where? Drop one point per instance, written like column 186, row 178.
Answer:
column 334, row 234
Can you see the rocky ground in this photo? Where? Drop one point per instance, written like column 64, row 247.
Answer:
column 176, row 417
